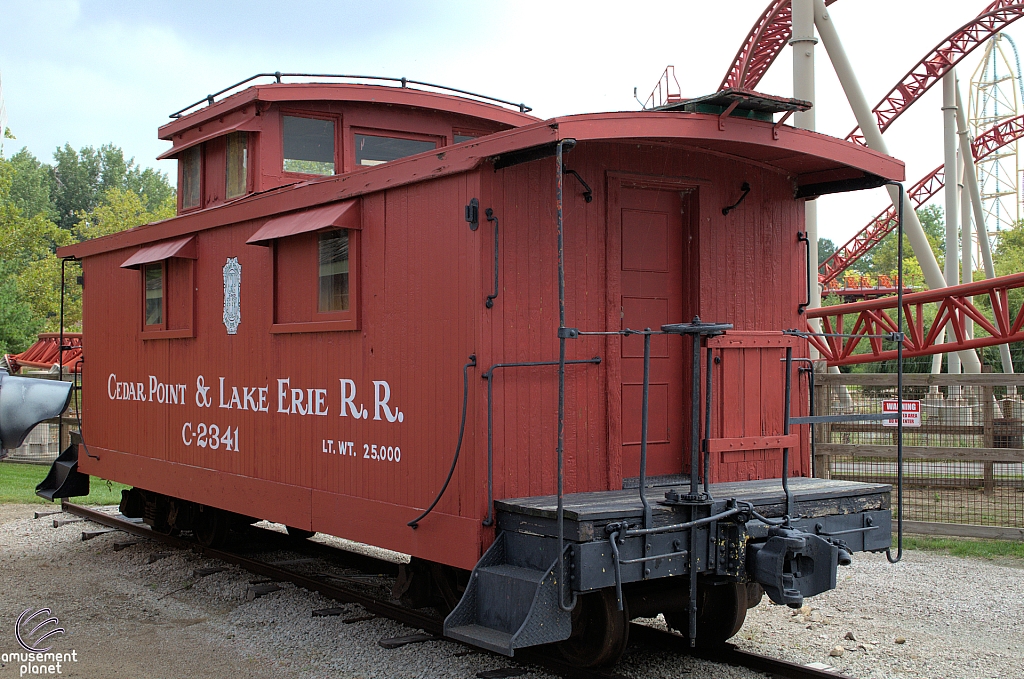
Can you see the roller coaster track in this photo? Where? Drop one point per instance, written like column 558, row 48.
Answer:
column 882, row 225
column 940, row 60
column 773, row 29
column 956, row 304
column 873, row 318
column 762, row 46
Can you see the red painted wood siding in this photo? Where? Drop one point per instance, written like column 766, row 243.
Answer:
column 424, row 276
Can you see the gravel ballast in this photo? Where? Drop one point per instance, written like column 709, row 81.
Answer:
column 126, row 617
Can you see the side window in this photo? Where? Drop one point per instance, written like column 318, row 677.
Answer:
column 236, row 165
column 190, row 162
column 374, row 149
column 153, row 302
column 166, row 271
column 332, row 249
column 315, row 282
column 308, row 145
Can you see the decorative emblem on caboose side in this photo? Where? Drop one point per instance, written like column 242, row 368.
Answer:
column 232, row 295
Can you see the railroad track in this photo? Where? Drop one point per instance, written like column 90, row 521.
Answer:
column 336, row 589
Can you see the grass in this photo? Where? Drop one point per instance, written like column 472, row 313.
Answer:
column 967, row 547
column 18, row 485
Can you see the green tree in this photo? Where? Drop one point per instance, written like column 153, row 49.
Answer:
column 30, row 186
column 18, row 322
column 85, row 194
column 75, row 186
column 826, row 248
column 884, row 255
column 121, row 209
column 82, row 179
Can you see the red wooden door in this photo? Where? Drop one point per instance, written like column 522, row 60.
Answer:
column 651, row 295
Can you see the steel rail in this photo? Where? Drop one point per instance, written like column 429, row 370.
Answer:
column 955, row 306
column 406, row 616
column 343, row 594
column 727, row 654
column 210, row 99
column 774, row 28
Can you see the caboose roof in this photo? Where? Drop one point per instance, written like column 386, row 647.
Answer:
column 239, row 111
column 816, row 163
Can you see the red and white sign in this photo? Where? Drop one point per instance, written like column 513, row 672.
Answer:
column 911, row 413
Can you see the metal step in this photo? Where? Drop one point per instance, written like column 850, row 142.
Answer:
column 509, row 606
column 506, row 595
column 482, row 637
column 64, row 479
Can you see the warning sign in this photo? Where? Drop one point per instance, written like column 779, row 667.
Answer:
column 911, row 413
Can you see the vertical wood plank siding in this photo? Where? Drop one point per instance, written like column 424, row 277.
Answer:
column 424, row 276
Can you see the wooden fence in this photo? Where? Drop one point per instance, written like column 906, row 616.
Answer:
column 963, row 467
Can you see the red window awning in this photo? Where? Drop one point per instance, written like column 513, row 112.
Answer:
column 343, row 215
column 184, row 248
column 252, row 124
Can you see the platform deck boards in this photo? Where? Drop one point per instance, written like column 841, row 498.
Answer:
column 764, row 494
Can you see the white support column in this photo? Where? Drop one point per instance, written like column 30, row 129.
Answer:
column 966, row 230
column 873, row 136
column 952, row 205
column 974, row 192
column 803, row 42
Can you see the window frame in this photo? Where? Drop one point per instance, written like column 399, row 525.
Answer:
column 315, row 115
column 202, row 181
column 162, row 325
column 466, row 132
column 247, row 179
column 350, row 157
column 160, row 331
column 322, row 321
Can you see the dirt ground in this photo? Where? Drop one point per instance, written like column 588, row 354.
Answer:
column 119, row 631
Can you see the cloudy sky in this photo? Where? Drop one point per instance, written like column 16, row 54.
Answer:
column 95, row 71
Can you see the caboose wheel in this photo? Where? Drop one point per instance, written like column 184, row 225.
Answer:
column 210, row 526
column 600, row 631
column 300, row 533
column 721, row 610
column 162, row 517
column 450, row 584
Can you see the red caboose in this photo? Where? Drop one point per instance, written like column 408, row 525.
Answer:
column 410, row 319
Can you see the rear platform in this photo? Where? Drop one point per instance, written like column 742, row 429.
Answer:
column 586, row 514
column 730, row 549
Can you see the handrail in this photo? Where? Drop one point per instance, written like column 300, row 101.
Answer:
column 277, row 75
column 489, row 376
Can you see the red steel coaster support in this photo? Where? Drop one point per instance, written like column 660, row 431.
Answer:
column 883, row 224
column 947, row 54
column 870, row 320
column 764, row 43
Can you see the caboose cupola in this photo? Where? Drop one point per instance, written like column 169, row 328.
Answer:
column 271, row 135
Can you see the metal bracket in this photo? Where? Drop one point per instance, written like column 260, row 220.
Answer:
column 783, row 119
column 725, row 114
column 473, row 214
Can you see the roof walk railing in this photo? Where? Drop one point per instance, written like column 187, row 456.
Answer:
column 210, row 99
